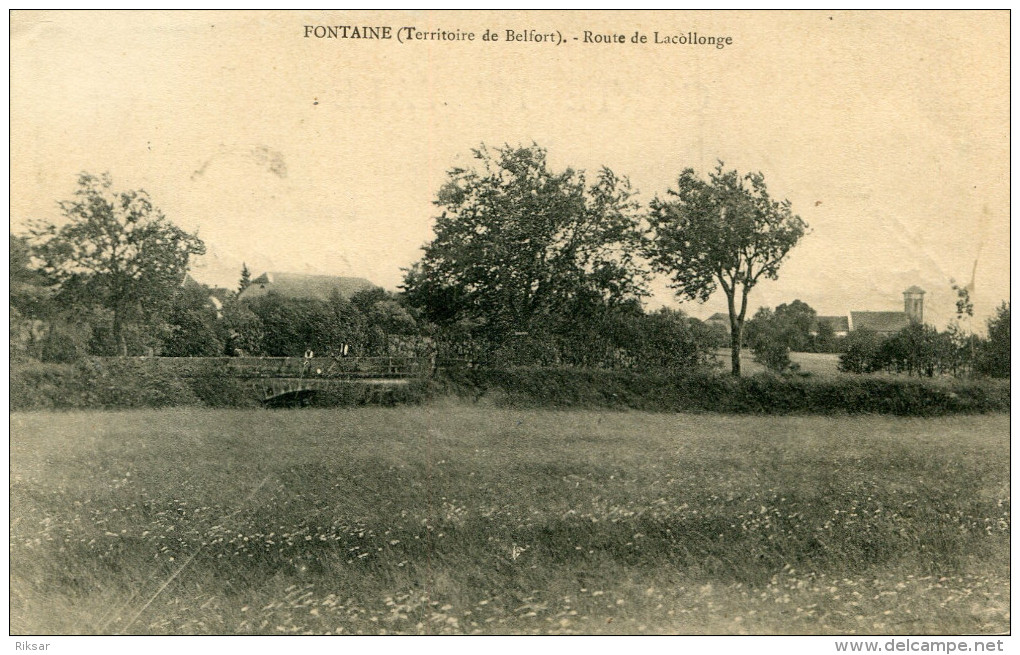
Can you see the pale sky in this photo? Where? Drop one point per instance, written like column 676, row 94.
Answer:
column 889, row 132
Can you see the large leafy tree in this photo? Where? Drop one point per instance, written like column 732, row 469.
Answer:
column 798, row 320
column 115, row 250
column 290, row 326
column 519, row 247
column 792, row 324
column 726, row 231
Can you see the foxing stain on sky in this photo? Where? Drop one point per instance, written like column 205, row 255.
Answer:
column 888, row 131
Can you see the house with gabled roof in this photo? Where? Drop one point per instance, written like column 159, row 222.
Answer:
column 302, row 285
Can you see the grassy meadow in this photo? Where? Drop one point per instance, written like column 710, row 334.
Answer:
column 459, row 518
column 819, row 364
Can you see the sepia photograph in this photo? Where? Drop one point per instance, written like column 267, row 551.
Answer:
column 340, row 323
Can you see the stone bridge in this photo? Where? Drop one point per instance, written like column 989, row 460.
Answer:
column 295, row 380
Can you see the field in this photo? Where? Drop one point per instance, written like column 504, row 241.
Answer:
column 459, row 518
column 820, row 364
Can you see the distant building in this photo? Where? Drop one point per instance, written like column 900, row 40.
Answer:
column 887, row 323
column 300, row 285
column 884, row 323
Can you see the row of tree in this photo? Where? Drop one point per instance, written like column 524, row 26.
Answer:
column 520, row 249
column 203, row 322
column 371, row 322
column 922, row 350
column 528, row 265
column 111, row 280
column 918, row 349
column 193, row 320
column 791, row 327
column 526, row 262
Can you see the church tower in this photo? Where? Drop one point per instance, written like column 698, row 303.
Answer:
column 913, row 304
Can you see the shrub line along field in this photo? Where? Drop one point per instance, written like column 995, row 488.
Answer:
column 133, row 383
column 462, row 518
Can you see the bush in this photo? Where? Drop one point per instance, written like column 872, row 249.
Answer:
column 60, row 350
column 701, row 391
column 41, row 385
column 861, row 347
column 772, row 355
column 535, row 350
column 96, row 383
column 192, row 334
column 126, row 383
column 771, row 336
column 65, row 342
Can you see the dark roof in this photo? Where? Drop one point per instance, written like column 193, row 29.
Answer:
column 837, row 323
column 300, row 285
column 719, row 316
column 879, row 321
column 914, row 289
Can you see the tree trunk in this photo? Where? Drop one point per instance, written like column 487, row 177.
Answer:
column 735, row 351
column 736, row 332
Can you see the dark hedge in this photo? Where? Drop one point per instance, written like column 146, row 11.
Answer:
column 757, row 394
column 125, row 384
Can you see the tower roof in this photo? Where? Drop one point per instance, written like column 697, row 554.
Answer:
column 914, row 289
